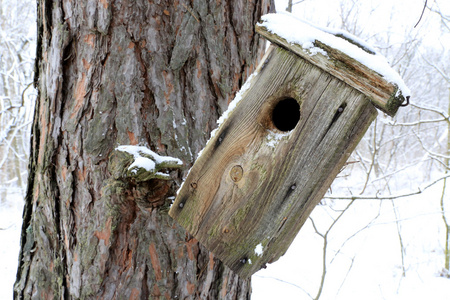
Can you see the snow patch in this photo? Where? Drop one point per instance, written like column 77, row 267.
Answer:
column 142, row 162
column 148, row 162
column 297, row 31
column 259, row 250
column 274, row 138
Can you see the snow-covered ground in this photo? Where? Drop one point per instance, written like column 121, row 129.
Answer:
column 364, row 257
column 10, row 226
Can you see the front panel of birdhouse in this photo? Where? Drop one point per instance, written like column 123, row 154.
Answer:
column 271, row 161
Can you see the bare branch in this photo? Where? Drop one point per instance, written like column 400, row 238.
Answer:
column 388, row 197
column 444, row 19
column 419, row 122
column 356, row 233
column 421, row 15
column 287, row 282
column 432, row 109
column 432, row 154
column 434, row 66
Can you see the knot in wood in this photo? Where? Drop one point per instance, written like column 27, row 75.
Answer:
column 236, row 173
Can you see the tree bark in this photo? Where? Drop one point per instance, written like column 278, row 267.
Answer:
column 117, row 72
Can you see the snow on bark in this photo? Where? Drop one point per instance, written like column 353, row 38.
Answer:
column 150, row 161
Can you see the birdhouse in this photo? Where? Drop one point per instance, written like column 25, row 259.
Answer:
column 282, row 142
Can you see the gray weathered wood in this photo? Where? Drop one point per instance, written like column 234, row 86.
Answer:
column 281, row 182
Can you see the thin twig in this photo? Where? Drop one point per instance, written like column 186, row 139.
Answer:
column 287, row 282
column 425, row 6
column 346, row 275
column 431, row 109
column 377, row 197
column 419, row 122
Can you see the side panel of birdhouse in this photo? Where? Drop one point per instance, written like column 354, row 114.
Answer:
column 271, row 161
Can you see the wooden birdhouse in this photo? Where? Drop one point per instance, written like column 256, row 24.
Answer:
column 297, row 120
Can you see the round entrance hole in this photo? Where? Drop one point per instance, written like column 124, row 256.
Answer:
column 286, row 114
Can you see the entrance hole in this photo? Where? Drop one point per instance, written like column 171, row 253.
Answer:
column 286, row 114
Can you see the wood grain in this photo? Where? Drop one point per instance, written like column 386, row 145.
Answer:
column 282, row 182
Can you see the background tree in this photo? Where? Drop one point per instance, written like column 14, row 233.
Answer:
column 115, row 72
column 16, row 51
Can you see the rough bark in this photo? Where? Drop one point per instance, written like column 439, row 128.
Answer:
column 112, row 72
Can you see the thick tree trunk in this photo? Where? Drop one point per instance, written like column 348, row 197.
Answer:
column 115, row 72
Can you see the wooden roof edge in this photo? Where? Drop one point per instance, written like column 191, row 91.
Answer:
column 384, row 95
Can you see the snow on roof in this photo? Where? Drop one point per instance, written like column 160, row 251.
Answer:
column 298, row 31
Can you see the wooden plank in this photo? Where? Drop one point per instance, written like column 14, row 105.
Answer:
column 383, row 94
column 254, row 186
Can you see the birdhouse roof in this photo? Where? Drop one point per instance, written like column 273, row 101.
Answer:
column 340, row 54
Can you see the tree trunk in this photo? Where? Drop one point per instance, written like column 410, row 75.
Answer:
column 117, row 72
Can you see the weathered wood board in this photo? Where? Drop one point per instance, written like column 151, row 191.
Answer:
column 272, row 160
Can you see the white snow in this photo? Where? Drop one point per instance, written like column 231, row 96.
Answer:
column 142, row 162
column 171, row 199
column 148, row 164
column 274, row 138
column 364, row 257
column 297, row 31
column 10, row 226
column 259, row 250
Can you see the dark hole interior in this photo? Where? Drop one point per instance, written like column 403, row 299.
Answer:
column 286, row 114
